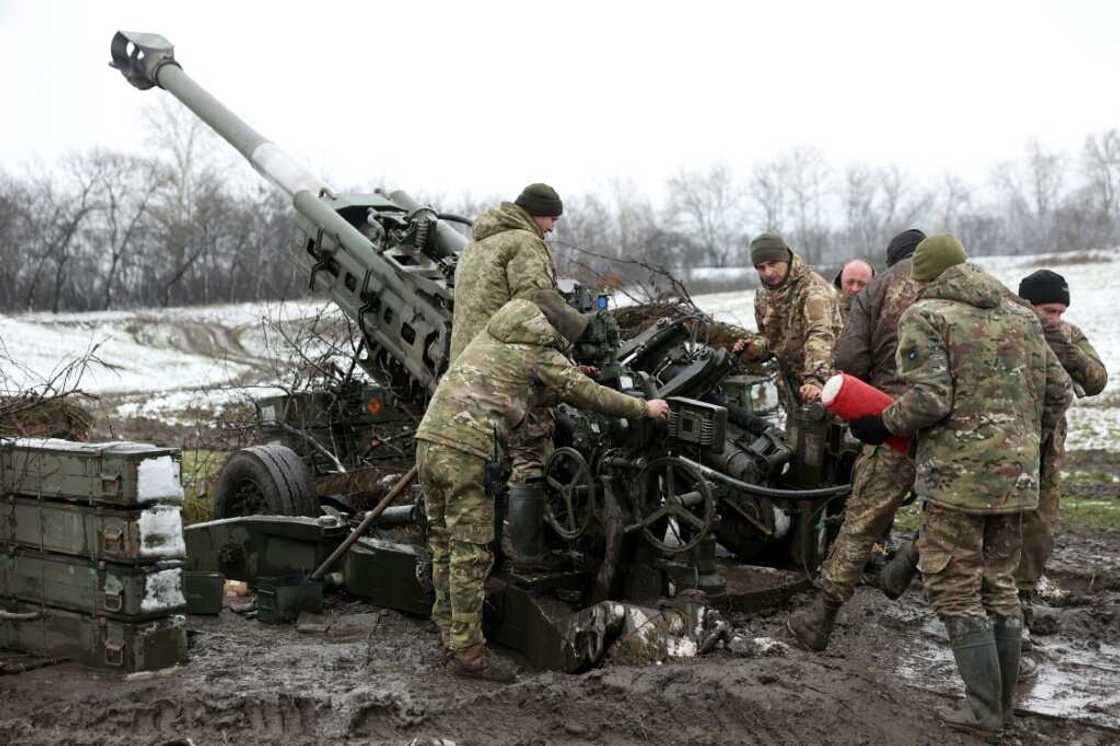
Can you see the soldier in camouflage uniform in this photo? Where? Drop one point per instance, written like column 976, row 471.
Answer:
column 982, row 390
column 853, row 277
column 515, row 363
column 508, row 259
column 881, row 477
column 1048, row 294
column 797, row 318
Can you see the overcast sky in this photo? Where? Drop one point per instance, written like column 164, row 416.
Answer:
column 487, row 96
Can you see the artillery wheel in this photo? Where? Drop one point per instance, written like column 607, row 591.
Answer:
column 670, row 488
column 569, row 493
column 268, row 480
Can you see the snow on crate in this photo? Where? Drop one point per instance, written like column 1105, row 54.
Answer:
column 158, row 479
column 163, row 590
column 161, row 532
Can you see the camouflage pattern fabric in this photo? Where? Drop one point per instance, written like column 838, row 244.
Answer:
column 1084, row 366
column 866, row 348
column 507, row 259
column 518, row 363
column 967, row 562
column 460, row 532
column 881, row 479
column 983, row 387
column 530, row 445
column 799, row 322
column 843, row 306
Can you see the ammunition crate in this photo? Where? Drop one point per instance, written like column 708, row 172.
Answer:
column 125, row 474
column 280, row 600
column 125, row 592
column 203, row 591
column 97, row 642
column 92, row 531
column 389, row 574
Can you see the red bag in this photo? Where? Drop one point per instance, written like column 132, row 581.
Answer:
column 849, row 398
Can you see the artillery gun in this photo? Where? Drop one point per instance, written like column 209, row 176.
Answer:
column 637, row 508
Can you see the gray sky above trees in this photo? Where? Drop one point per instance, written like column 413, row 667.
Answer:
column 486, row 96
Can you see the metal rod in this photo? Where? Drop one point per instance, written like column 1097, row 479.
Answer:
column 371, row 516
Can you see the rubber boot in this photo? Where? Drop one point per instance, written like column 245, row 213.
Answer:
column 476, row 662
column 1008, row 632
column 899, row 572
column 525, row 531
column 974, row 648
column 812, row 625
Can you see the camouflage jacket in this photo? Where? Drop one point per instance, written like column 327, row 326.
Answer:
column 982, row 389
column 843, row 305
column 866, row 347
column 516, row 363
column 1078, row 357
column 507, row 259
column 799, row 322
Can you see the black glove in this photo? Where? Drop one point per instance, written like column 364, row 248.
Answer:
column 870, row 429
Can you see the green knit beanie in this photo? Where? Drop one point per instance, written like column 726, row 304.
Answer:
column 936, row 254
column 540, row 201
column 769, row 247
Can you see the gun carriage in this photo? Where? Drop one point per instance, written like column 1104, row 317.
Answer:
column 637, row 507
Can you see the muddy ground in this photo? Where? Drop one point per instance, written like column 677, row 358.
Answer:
column 376, row 676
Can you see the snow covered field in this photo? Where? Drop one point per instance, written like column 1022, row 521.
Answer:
column 158, row 362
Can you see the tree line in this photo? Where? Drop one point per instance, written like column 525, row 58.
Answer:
column 180, row 222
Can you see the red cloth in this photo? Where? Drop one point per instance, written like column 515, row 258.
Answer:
column 849, row 398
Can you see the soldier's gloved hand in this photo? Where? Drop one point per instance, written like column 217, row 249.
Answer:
column 658, row 409
column 870, row 429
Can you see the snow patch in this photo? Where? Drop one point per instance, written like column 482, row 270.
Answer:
column 161, row 532
column 163, row 590
column 158, row 479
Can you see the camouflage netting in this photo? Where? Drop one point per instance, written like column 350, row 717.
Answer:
column 34, row 416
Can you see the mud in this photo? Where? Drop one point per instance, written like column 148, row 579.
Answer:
column 365, row 675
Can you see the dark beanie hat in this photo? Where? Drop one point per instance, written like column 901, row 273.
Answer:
column 540, row 201
column 1044, row 286
column 564, row 319
column 769, row 247
column 903, row 245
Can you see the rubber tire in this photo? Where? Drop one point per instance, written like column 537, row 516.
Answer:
column 278, row 474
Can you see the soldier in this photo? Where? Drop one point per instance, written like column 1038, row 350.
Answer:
column 1048, row 293
column 518, row 360
column 982, row 390
column 882, row 477
column 797, row 318
column 509, row 259
column 852, row 278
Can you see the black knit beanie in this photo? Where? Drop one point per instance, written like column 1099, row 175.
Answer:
column 903, row 245
column 1044, row 286
column 540, row 201
column 769, row 247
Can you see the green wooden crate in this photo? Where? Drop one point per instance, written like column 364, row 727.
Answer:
column 98, row 642
column 126, row 592
column 151, row 534
column 124, row 474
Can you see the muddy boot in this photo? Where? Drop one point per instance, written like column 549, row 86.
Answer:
column 525, row 547
column 811, row 625
column 1007, row 632
column 899, row 572
column 974, row 648
column 476, row 662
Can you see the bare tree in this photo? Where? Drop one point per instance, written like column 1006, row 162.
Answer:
column 708, row 206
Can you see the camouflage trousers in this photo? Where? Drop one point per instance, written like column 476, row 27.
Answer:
column 968, row 562
column 530, row 445
column 881, row 479
column 1039, row 525
column 460, row 532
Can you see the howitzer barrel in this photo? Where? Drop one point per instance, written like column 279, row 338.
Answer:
column 400, row 298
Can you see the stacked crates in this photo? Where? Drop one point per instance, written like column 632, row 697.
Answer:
column 92, row 552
